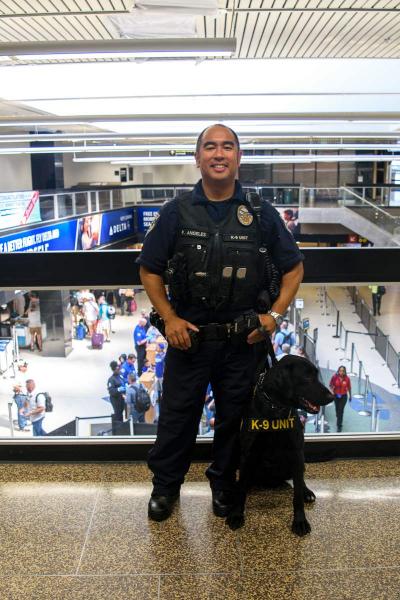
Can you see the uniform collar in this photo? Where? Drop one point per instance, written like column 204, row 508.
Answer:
column 199, row 197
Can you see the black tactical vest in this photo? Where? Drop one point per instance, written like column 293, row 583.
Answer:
column 216, row 265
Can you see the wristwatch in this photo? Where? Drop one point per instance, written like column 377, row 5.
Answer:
column 276, row 316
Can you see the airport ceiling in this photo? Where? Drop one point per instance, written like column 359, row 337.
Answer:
column 263, row 28
column 303, row 34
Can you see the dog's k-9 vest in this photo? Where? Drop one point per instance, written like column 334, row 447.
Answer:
column 217, row 264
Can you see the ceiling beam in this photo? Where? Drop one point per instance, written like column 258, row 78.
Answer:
column 315, row 10
column 46, row 137
column 372, row 116
column 62, row 13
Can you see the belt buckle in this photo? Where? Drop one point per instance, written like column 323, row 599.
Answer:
column 212, row 330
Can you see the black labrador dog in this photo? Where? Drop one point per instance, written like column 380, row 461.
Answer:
column 272, row 434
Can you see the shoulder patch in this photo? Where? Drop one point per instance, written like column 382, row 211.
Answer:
column 153, row 224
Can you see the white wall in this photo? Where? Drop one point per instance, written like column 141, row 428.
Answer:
column 15, row 173
column 75, row 173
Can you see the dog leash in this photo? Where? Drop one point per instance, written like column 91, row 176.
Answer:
column 271, row 351
column 262, row 352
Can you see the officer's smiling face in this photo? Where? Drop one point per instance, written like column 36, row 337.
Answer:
column 219, row 156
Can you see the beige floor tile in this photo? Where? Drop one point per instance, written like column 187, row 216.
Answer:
column 43, row 472
column 353, row 522
column 382, row 584
column 79, row 588
column 200, row 587
column 122, row 538
column 43, row 526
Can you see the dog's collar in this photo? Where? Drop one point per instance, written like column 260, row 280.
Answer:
column 277, row 409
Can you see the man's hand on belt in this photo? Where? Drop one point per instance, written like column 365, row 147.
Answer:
column 176, row 332
column 267, row 327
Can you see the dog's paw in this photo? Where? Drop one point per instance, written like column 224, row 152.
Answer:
column 308, row 495
column 235, row 521
column 301, row 528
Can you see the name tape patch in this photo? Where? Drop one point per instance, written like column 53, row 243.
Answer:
column 194, row 233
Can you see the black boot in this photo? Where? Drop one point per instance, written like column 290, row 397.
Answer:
column 160, row 507
column 222, row 502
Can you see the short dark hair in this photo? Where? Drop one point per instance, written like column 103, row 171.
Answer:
column 113, row 365
column 200, row 138
column 131, row 357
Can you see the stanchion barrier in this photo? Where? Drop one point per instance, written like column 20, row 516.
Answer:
column 346, row 338
column 322, row 426
column 365, row 412
column 353, row 351
column 360, row 368
column 337, row 334
column 373, row 413
column 378, row 414
column 10, row 419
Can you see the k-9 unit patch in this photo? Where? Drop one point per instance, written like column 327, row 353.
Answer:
column 244, row 215
column 270, row 424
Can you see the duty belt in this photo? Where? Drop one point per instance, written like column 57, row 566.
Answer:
column 224, row 331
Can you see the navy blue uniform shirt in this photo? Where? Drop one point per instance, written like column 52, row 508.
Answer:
column 159, row 243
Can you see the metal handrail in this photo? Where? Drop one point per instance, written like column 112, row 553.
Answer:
column 370, row 204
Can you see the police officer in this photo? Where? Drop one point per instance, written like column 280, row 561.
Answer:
column 210, row 245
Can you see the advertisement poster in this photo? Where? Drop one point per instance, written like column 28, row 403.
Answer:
column 88, row 232
column 116, row 225
column 146, row 216
column 59, row 236
column 19, row 208
column 85, row 233
column 290, row 217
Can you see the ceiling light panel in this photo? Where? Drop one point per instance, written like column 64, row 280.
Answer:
column 174, row 78
column 120, row 48
column 238, row 103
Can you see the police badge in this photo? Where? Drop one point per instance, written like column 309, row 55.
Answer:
column 244, row 215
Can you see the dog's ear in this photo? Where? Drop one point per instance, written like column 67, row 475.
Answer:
column 278, row 380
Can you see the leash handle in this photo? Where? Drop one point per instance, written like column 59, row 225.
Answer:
column 271, row 351
column 262, row 351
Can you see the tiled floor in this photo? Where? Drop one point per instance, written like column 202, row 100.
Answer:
column 80, row 531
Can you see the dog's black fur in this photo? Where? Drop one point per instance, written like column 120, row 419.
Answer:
column 269, row 458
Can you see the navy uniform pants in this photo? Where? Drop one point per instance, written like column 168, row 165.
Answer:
column 229, row 369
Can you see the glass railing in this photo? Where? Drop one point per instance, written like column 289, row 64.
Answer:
column 373, row 213
column 382, row 195
column 320, row 196
column 76, row 203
